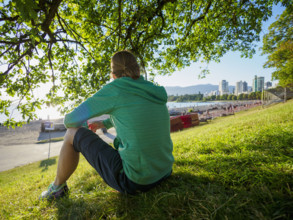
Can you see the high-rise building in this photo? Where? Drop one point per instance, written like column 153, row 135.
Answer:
column 241, row 87
column 258, row 84
column 245, row 87
column 268, row 85
column 238, row 88
column 224, row 87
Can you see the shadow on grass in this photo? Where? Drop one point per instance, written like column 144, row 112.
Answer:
column 243, row 182
column 46, row 163
column 181, row 196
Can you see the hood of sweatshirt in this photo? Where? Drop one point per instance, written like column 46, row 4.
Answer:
column 141, row 87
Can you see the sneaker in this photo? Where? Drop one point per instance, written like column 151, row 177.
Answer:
column 54, row 192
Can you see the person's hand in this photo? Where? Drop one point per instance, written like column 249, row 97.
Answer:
column 94, row 126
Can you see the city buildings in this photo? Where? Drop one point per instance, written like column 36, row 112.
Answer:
column 241, row 87
column 258, row 84
column 268, row 85
column 215, row 92
column 245, row 87
column 224, row 87
column 238, row 88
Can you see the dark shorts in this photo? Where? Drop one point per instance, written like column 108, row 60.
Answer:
column 107, row 162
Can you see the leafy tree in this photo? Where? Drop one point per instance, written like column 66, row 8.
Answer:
column 224, row 97
column 240, row 96
column 252, row 96
column 186, row 98
column 171, row 98
column 230, row 97
column 278, row 43
column 69, row 43
column 213, row 97
column 258, row 95
column 255, row 95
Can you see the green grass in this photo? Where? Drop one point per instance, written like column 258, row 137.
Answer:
column 237, row 167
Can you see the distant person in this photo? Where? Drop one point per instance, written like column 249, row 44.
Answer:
column 208, row 112
column 142, row 157
column 230, row 108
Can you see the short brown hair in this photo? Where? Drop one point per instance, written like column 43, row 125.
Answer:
column 124, row 64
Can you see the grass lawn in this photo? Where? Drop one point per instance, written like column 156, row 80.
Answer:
column 237, row 167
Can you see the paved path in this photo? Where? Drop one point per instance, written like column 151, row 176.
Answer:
column 19, row 155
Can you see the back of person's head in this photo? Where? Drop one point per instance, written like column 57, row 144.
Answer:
column 124, row 64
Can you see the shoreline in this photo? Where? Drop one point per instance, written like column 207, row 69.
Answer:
column 218, row 109
column 31, row 133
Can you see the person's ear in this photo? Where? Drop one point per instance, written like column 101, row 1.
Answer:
column 113, row 76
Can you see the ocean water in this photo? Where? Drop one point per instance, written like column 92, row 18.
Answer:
column 52, row 112
column 171, row 105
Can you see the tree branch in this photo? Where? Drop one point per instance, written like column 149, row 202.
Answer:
column 119, row 22
column 49, row 18
column 201, row 17
column 5, row 18
column 14, row 43
column 138, row 15
column 51, row 65
column 9, row 48
column 11, row 65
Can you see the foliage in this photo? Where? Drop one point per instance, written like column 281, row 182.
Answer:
column 231, row 168
column 278, row 43
column 185, row 98
column 69, row 43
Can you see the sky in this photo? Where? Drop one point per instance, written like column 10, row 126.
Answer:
column 232, row 67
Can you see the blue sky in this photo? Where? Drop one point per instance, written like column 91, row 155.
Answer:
column 232, row 67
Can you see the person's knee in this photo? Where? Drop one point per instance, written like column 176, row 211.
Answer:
column 70, row 133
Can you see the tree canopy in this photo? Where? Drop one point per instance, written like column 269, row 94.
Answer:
column 69, row 43
column 278, row 43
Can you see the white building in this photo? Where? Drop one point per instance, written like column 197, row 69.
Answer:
column 215, row 92
column 224, row 87
column 238, row 88
column 241, row 87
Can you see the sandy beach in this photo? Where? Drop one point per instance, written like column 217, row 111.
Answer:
column 217, row 109
column 27, row 134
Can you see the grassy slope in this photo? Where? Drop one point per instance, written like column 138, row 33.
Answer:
column 238, row 167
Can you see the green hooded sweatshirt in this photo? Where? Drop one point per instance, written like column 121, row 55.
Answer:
column 138, row 111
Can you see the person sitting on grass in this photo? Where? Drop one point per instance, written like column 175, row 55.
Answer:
column 142, row 157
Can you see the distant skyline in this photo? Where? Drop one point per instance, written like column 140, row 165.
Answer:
column 232, row 67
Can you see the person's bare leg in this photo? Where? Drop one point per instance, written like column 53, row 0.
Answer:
column 68, row 159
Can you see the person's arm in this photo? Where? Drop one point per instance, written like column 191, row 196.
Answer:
column 94, row 126
column 102, row 102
